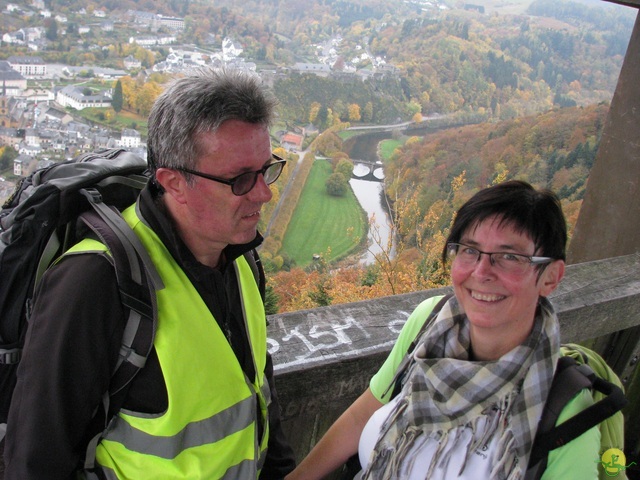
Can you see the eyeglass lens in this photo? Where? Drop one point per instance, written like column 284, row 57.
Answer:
column 245, row 182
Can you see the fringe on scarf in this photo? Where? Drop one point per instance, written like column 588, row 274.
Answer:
column 395, row 461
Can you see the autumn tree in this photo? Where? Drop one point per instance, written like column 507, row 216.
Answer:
column 128, row 90
column 313, row 111
column 354, row 112
column 146, row 96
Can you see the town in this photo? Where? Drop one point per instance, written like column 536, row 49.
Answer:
column 40, row 101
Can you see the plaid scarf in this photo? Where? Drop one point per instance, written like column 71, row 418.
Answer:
column 444, row 391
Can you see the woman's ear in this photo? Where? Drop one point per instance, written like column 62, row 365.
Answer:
column 551, row 277
column 173, row 183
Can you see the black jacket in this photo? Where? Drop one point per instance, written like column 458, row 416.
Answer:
column 72, row 345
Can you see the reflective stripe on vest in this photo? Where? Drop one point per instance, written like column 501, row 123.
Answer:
column 236, row 472
column 209, row 429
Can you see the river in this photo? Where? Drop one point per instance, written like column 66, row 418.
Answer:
column 368, row 193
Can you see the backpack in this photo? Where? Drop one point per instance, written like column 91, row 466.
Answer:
column 578, row 368
column 50, row 211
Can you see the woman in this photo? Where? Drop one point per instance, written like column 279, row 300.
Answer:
column 476, row 383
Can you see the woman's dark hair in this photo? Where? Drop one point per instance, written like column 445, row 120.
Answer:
column 535, row 213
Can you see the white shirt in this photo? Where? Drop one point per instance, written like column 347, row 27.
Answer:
column 478, row 465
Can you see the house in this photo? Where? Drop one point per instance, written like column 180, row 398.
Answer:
column 23, row 165
column 131, row 63
column 129, row 139
column 11, row 81
column 32, row 137
column 11, row 112
column 56, row 115
column 71, row 96
column 229, row 49
column 37, row 95
column 291, row 141
column 24, row 35
column 144, row 40
column 10, row 136
column 29, row 67
column 172, row 23
column 319, row 69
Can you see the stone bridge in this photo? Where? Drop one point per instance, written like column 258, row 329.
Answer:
column 365, row 170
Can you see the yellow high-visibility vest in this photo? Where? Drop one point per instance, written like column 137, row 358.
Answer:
column 210, row 429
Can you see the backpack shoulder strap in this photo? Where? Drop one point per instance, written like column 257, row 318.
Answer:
column 570, row 378
column 253, row 259
column 137, row 281
column 429, row 320
column 396, row 384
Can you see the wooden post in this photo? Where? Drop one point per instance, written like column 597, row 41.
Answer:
column 609, row 221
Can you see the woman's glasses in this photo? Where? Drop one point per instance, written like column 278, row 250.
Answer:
column 505, row 261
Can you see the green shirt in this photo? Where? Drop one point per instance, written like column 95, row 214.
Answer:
column 577, row 459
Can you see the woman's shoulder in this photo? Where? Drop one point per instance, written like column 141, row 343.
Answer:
column 578, row 459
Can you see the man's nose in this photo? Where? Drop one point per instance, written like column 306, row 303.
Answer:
column 261, row 191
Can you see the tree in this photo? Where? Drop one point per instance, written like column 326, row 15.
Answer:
column 51, row 29
column 337, row 184
column 271, row 300
column 345, row 167
column 118, row 99
column 367, row 112
column 354, row 112
column 7, row 156
column 313, row 111
column 146, row 96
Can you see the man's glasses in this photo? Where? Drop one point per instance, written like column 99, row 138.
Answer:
column 505, row 261
column 243, row 183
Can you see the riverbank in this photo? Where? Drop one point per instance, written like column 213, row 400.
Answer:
column 333, row 227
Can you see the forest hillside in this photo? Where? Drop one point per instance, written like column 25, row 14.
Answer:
column 428, row 178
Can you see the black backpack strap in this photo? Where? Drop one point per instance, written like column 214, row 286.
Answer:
column 396, row 384
column 137, row 282
column 570, row 378
column 253, row 259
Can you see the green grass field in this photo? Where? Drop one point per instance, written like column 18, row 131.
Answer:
column 387, row 147
column 321, row 221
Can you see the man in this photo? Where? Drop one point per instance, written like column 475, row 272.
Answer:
column 204, row 405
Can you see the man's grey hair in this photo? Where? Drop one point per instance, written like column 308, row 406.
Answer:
column 201, row 103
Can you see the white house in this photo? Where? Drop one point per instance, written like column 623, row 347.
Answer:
column 131, row 62
column 71, row 96
column 32, row 137
column 129, row 138
column 229, row 49
column 29, row 67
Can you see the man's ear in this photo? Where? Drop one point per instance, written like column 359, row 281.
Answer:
column 551, row 277
column 173, row 183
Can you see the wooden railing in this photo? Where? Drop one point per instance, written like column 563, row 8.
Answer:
column 325, row 357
